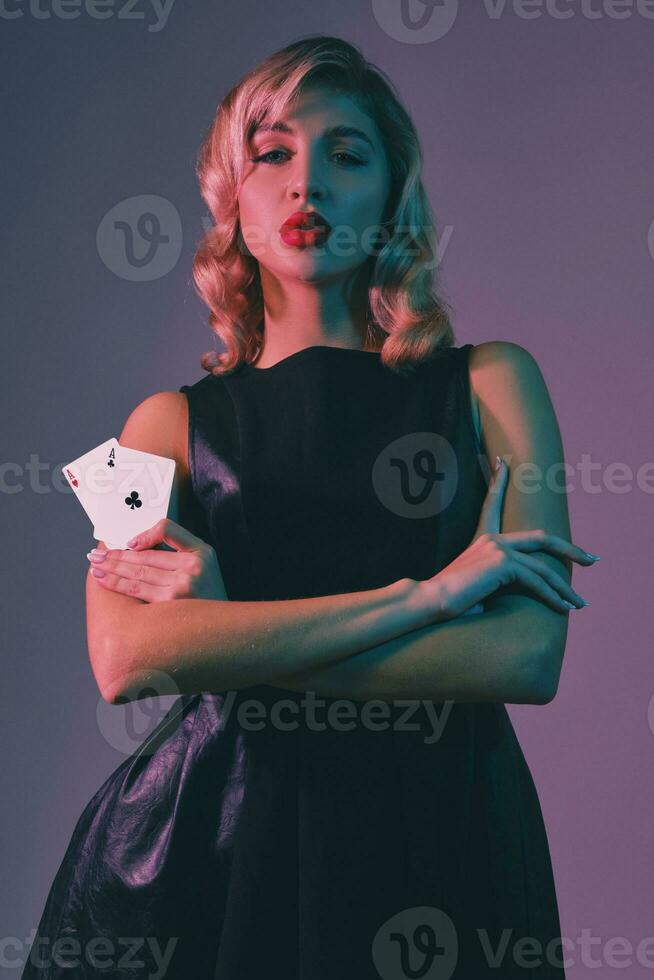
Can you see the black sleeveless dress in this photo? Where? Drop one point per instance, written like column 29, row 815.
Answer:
column 333, row 846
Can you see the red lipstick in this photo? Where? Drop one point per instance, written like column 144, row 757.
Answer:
column 304, row 228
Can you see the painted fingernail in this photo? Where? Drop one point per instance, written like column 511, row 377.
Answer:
column 594, row 557
column 498, row 463
column 96, row 555
column 570, row 605
column 97, row 572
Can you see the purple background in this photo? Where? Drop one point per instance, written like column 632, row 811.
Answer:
column 539, row 152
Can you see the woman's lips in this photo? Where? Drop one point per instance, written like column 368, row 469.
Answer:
column 305, row 228
column 299, row 237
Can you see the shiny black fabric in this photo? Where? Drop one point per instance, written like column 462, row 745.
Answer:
column 285, row 851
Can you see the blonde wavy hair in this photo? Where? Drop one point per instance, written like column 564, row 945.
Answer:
column 407, row 322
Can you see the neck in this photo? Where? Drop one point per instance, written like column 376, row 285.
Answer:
column 302, row 316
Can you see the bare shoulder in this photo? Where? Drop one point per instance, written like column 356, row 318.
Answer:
column 159, row 424
column 501, row 374
column 520, row 425
column 495, row 357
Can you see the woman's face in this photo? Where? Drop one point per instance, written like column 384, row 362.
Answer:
column 344, row 176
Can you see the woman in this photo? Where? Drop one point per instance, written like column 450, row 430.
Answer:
column 332, row 526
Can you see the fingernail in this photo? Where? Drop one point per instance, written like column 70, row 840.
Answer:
column 570, row 605
column 132, row 542
column 96, row 555
column 498, row 463
column 594, row 557
column 97, row 572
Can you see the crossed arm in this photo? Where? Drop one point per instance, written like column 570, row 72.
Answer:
column 370, row 644
column 513, row 651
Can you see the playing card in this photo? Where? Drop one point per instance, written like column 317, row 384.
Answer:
column 99, row 536
column 92, row 474
column 138, row 498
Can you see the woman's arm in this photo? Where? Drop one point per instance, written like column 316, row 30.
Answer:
column 520, row 425
column 484, row 657
column 512, row 652
column 190, row 645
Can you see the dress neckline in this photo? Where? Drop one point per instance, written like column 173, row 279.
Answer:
column 252, row 369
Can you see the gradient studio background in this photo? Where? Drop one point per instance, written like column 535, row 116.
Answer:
column 538, row 139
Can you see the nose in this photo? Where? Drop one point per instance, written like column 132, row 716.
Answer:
column 306, row 180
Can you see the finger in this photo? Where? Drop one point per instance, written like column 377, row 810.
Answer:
column 551, row 577
column 536, row 584
column 553, row 543
column 133, row 587
column 477, row 608
column 491, row 510
column 140, row 571
column 167, row 532
column 150, row 557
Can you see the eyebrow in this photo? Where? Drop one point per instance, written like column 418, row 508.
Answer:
column 332, row 132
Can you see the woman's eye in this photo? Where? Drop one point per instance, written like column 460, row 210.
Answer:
column 355, row 160
column 264, row 157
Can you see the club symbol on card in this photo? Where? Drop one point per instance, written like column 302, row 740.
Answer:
column 133, row 500
column 112, row 456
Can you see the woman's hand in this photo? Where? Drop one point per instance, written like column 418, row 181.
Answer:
column 189, row 572
column 493, row 560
